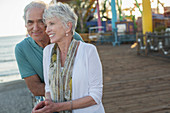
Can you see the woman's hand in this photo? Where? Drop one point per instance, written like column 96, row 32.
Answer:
column 46, row 106
column 38, row 107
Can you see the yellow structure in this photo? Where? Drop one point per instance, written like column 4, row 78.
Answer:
column 146, row 16
column 89, row 9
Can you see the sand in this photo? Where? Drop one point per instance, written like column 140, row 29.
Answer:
column 15, row 97
column 9, row 78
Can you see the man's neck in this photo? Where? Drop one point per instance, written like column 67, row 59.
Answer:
column 42, row 43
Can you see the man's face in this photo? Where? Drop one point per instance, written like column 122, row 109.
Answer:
column 34, row 24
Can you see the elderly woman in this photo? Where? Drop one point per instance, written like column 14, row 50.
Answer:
column 72, row 69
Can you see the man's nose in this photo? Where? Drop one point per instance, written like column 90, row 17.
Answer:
column 35, row 27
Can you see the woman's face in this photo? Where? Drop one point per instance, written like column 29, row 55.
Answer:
column 55, row 29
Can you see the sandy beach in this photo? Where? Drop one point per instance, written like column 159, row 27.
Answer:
column 132, row 84
column 15, row 97
column 9, row 78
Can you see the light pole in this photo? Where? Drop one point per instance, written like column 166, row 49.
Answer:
column 114, row 20
column 99, row 19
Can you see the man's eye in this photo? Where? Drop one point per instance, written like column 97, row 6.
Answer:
column 29, row 22
column 41, row 21
column 51, row 23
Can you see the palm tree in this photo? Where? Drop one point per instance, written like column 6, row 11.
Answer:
column 83, row 10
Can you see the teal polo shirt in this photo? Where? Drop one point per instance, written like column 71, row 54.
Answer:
column 29, row 57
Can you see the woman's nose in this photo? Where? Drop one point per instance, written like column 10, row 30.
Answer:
column 47, row 30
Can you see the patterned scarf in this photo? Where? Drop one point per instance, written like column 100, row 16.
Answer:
column 60, row 80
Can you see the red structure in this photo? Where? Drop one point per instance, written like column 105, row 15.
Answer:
column 167, row 12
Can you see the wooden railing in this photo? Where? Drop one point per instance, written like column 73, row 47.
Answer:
column 153, row 43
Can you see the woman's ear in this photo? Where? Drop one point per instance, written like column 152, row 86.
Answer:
column 69, row 27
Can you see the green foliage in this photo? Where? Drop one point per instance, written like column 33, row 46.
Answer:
column 81, row 8
column 160, row 28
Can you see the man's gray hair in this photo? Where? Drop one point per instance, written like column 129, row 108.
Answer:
column 62, row 12
column 34, row 4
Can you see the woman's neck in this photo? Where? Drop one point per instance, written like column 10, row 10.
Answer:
column 64, row 46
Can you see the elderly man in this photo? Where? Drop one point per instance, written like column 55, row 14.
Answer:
column 29, row 52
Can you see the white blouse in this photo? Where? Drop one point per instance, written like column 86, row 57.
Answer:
column 87, row 77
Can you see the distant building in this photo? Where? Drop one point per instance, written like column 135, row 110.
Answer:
column 167, row 12
column 154, row 10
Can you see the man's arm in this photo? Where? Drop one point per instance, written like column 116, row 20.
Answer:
column 35, row 85
column 27, row 72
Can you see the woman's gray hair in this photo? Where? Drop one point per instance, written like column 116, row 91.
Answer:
column 34, row 4
column 62, row 12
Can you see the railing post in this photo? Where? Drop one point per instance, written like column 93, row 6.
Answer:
column 138, row 44
column 146, row 44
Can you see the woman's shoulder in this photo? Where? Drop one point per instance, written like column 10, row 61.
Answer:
column 48, row 47
column 85, row 45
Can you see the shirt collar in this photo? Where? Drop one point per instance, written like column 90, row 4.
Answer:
column 34, row 43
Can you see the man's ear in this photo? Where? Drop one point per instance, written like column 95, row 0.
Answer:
column 69, row 27
column 25, row 23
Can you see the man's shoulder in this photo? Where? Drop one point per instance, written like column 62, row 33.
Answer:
column 22, row 43
column 22, row 46
column 77, row 36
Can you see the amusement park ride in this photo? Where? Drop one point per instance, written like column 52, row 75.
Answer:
column 146, row 15
column 148, row 39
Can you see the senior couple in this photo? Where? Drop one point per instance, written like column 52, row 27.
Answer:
column 56, row 63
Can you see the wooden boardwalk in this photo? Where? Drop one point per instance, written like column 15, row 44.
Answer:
column 134, row 84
